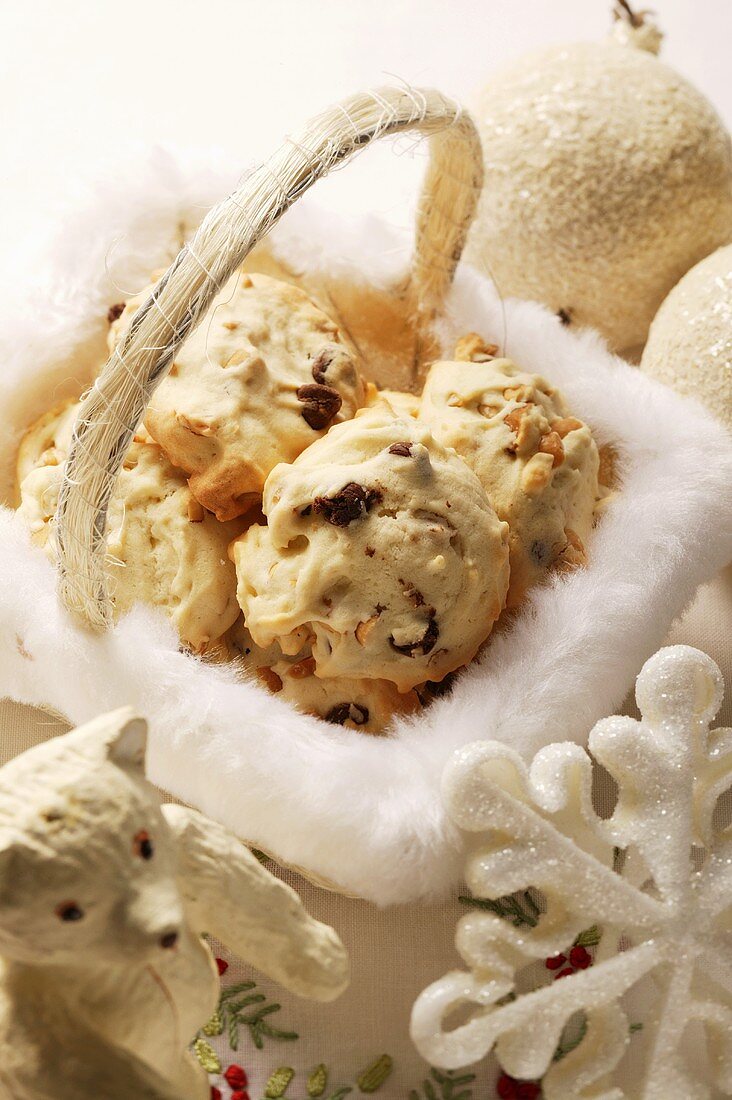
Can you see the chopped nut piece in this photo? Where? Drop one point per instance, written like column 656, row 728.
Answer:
column 364, row 629
column 537, row 473
column 607, row 474
column 195, row 511
column 196, row 427
column 551, row 444
column 565, row 425
column 238, row 357
column 270, row 679
column 574, row 553
column 472, row 348
column 522, row 394
column 523, row 429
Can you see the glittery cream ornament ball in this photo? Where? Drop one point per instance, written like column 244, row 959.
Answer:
column 690, row 343
column 607, row 177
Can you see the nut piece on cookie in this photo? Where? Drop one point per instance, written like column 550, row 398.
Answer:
column 367, row 706
column 382, row 552
column 263, row 376
column 164, row 549
column 538, row 465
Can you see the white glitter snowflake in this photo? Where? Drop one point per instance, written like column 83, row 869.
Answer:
column 665, row 916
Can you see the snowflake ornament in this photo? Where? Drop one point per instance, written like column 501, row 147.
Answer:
column 656, row 878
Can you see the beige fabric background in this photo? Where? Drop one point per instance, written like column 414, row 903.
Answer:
column 394, row 952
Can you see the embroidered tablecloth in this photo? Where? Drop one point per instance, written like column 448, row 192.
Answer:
column 360, row 1043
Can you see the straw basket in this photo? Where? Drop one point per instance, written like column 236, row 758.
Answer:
column 363, row 813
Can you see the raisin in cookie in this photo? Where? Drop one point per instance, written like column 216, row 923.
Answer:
column 364, row 705
column 164, row 548
column 382, row 552
column 538, row 465
column 261, row 378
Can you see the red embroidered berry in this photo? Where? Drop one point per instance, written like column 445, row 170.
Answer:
column 222, row 966
column 240, row 1095
column 215, row 1093
column 506, row 1087
column 555, row 962
column 580, row 958
column 236, row 1077
column 527, row 1090
column 566, row 973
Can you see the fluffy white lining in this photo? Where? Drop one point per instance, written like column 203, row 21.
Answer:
column 363, row 812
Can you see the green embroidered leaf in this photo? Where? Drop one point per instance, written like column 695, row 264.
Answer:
column 518, row 908
column 373, row 1076
column 589, row 938
column 447, row 1082
column 207, row 1056
column 340, row 1093
column 277, row 1085
column 233, row 1017
column 233, row 1032
column 317, row 1081
column 572, row 1036
column 275, row 1033
column 243, row 1002
column 214, row 1026
column 635, row 1027
column 234, row 990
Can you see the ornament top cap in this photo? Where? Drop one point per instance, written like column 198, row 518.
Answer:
column 635, row 28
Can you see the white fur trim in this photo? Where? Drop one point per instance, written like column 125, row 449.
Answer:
column 364, row 812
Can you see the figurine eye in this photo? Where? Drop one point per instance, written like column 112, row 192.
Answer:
column 69, row 911
column 143, row 845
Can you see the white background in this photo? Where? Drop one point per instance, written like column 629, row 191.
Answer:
column 83, row 80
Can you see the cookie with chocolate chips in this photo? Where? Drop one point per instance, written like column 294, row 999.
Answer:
column 538, row 464
column 263, row 376
column 381, row 552
column 368, row 706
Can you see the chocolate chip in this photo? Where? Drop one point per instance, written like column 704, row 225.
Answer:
column 321, row 364
column 369, row 551
column 114, row 312
column 565, row 316
column 402, row 449
column 424, row 646
column 320, row 404
column 352, row 502
column 344, row 712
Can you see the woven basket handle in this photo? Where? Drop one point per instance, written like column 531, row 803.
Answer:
column 113, row 408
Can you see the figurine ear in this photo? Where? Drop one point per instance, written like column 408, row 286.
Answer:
column 121, row 736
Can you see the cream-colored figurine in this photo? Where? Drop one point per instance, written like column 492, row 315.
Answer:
column 104, row 894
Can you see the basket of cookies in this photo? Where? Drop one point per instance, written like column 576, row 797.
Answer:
column 326, row 519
